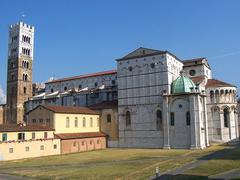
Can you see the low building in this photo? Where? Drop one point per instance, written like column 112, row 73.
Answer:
column 78, row 128
column 19, row 142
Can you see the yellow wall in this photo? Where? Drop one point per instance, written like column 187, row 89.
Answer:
column 28, row 135
column 60, row 123
column 19, row 149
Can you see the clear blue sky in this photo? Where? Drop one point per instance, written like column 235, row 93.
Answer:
column 81, row 36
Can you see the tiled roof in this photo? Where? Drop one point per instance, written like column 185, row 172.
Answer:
column 105, row 105
column 217, row 83
column 66, row 136
column 198, row 79
column 18, row 128
column 196, row 61
column 84, row 76
column 69, row 110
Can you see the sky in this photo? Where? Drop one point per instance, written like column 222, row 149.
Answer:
column 74, row 37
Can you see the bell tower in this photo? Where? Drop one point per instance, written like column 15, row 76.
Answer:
column 19, row 74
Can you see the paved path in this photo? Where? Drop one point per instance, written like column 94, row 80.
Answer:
column 11, row 177
column 180, row 171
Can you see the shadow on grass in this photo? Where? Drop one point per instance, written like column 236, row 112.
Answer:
column 184, row 177
column 231, row 153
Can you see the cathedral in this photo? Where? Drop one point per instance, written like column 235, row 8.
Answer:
column 152, row 99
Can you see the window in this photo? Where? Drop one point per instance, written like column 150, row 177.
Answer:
column 40, row 120
column 172, row 119
column 54, row 146
column 188, row 119
column 98, row 122
column 24, row 90
column 226, row 116
column 76, row 122
column 128, row 119
column 159, row 122
column 52, row 90
column 192, row 72
column 98, row 141
column 113, row 82
column 21, row 136
column 83, row 143
column 96, row 84
column 4, row 137
column 34, row 120
column 10, row 150
column 84, row 122
column 109, row 118
column 91, row 122
column 80, row 87
column 45, row 135
column 42, row 147
column 33, row 135
column 27, row 148
column 67, row 122
column 152, row 65
column 65, row 88
column 90, row 142
column 48, row 120
column 74, row 144
column 130, row 68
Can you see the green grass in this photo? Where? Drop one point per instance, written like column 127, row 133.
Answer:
column 113, row 164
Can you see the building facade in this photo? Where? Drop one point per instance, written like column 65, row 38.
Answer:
column 19, row 70
column 78, row 128
column 150, row 113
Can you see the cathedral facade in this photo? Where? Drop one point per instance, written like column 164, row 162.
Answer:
column 153, row 100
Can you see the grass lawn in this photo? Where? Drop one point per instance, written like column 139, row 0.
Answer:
column 110, row 163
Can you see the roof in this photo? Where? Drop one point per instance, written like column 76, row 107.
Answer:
column 217, row 83
column 18, row 128
column 67, row 109
column 182, row 84
column 198, row 79
column 144, row 52
column 84, row 76
column 105, row 105
column 66, row 136
column 196, row 61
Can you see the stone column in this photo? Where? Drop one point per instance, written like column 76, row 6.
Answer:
column 236, row 124
column 194, row 116
column 231, row 120
column 221, row 124
column 166, row 138
column 205, row 121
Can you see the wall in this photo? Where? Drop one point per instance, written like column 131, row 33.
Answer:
column 41, row 113
column 79, row 145
column 13, row 136
column 60, row 123
column 19, row 149
column 2, row 114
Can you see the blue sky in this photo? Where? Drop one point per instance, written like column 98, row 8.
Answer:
column 82, row 36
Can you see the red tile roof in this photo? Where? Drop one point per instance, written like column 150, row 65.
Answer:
column 217, row 83
column 66, row 136
column 68, row 109
column 17, row 128
column 84, row 76
column 198, row 80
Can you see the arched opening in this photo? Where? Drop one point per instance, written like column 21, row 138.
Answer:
column 188, row 118
column 212, row 96
column 217, row 96
column 159, row 122
column 128, row 119
column 226, row 117
column 109, row 118
column 24, row 90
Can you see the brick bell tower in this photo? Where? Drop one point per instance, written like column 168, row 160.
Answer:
column 19, row 74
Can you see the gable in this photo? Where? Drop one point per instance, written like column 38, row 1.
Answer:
column 142, row 52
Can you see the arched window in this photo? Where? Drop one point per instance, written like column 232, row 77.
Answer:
column 109, row 118
column 27, row 65
column 24, row 90
column 188, row 118
column 212, row 96
column 52, row 90
column 217, row 95
column 226, row 117
column 128, row 119
column 172, row 119
column 159, row 123
column 65, row 88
